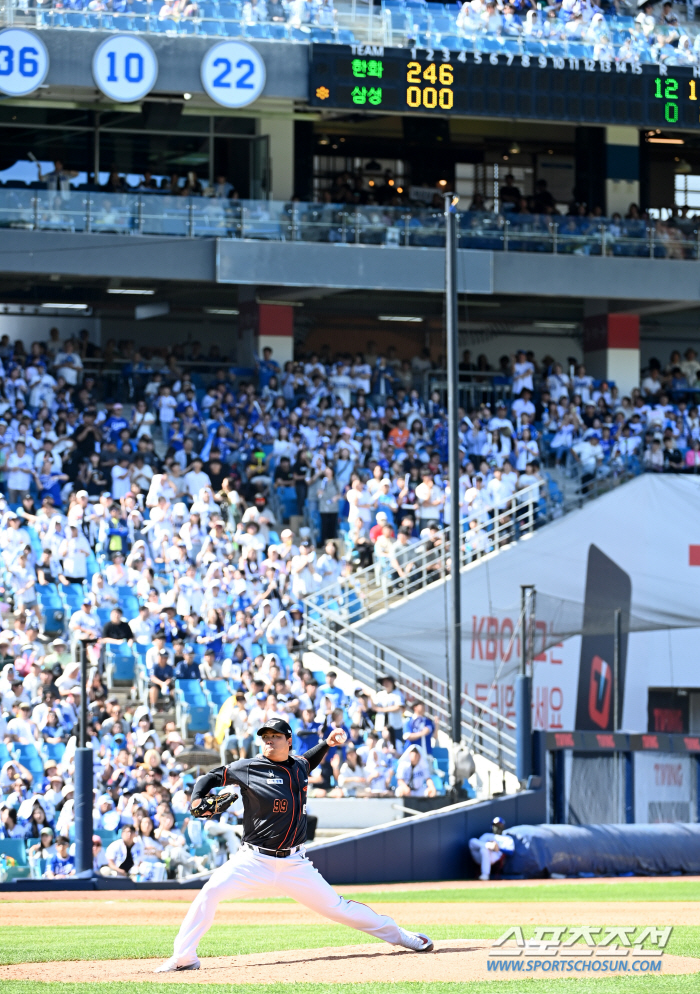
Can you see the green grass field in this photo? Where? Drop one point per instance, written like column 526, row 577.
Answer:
column 45, row 943
column 669, row 889
column 623, row 985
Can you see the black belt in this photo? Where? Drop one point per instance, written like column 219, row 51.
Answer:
column 278, row 853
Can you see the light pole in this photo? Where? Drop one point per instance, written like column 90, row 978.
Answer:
column 83, row 778
column 523, row 686
column 452, row 332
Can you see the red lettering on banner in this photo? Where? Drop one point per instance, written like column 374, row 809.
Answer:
column 668, row 774
column 491, row 637
column 506, row 636
column 481, row 692
column 559, row 645
column 541, row 697
column 606, row 741
column 564, row 740
column 476, row 636
column 692, row 745
column 541, row 628
column 509, row 701
column 650, row 742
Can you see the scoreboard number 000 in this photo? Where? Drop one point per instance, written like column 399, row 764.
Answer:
column 420, row 95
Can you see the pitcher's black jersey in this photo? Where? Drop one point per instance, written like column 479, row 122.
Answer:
column 274, row 796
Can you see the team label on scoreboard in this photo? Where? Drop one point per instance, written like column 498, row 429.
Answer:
column 440, row 81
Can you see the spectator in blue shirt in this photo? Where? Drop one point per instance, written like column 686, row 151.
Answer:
column 329, row 689
column 419, row 728
column 267, row 368
column 308, row 731
column 115, row 423
column 61, row 864
column 187, row 668
column 162, row 678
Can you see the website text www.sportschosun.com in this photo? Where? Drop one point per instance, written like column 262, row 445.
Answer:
column 574, row 965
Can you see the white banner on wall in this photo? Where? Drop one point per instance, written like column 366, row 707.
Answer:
column 664, row 790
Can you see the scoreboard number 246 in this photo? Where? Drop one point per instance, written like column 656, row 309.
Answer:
column 437, row 93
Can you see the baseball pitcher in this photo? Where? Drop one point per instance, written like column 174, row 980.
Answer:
column 272, row 860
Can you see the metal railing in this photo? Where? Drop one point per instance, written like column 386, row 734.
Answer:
column 475, row 388
column 486, row 531
column 134, row 213
column 488, row 732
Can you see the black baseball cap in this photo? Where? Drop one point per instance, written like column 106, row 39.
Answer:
column 276, row 725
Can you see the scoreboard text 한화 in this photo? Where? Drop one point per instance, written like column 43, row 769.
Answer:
column 438, row 81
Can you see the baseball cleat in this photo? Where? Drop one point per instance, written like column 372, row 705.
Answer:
column 171, row 966
column 416, row 941
column 483, row 876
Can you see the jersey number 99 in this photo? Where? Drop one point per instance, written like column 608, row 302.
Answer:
column 279, row 806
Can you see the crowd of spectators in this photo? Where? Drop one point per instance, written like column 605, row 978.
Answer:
column 606, row 31
column 185, row 532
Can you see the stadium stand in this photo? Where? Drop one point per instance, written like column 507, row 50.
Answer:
column 178, row 540
column 568, row 31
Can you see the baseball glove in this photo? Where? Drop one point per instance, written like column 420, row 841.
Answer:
column 213, row 804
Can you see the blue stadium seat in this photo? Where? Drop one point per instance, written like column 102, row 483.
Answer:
column 345, row 37
column 72, row 19
column 278, row 31
column 18, row 851
column 322, row 36
column 54, row 751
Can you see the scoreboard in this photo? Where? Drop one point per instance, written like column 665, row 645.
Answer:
column 439, row 81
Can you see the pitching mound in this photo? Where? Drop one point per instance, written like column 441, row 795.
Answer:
column 453, row 959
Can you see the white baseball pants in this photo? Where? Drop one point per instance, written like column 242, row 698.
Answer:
column 249, row 874
column 485, row 857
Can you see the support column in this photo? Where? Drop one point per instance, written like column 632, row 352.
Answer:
column 611, row 349
column 280, row 132
column 265, row 326
column 621, row 169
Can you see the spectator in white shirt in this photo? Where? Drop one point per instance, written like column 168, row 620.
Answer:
column 121, row 478
column 84, row 624
column 69, row 364
column 74, row 551
column 413, row 775
column 430, row 499
column 19, row 468
column 388, row 705
column 194, row 480
column 523, row 371
column 558, row 384
column 651, row 384
column 22, row 729
column 142, row 626
column 498, row 491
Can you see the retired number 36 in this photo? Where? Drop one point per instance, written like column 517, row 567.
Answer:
column 420, row 95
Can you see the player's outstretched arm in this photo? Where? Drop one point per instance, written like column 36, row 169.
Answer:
column 204, row 784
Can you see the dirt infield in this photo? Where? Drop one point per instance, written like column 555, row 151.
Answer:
column 169, row 896
column 125, row 911
column 453, row 958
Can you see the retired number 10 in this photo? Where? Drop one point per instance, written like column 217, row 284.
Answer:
column 438, row 93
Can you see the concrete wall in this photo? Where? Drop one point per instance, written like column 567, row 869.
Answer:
column 179, row 59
